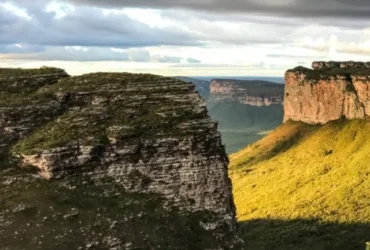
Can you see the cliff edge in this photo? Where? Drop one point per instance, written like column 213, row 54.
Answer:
column 128, row 161
column 329, row 91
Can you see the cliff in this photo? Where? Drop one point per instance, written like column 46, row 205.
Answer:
column 254, row 93
column 113, row 150
column 330, row 91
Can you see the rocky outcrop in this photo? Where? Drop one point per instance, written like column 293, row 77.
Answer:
column 329, row 92
column 149, row 135
column 341, row 65
column 254, row 93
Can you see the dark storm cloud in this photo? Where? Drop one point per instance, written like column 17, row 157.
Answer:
column 294, row 8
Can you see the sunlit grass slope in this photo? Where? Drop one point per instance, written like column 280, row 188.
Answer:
column 306, row 172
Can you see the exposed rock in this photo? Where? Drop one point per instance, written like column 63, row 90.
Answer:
column 327, row 93
column 133, row 136
column 332, row 65
column 254, row 93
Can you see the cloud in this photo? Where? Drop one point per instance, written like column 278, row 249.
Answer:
column 73, row 53
column 190, row 35
column 294, row 56
column 293, row 8
column 353, row 48
column 192, row 60
column 167, row 59
column 82, row 54
column 20, row 48
column 85, row 26
column 314, row 44
column 139, row 55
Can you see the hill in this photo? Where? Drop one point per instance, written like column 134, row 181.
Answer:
column 305, row 187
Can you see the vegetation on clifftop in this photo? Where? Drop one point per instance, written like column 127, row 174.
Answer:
column 14, row 73
column 18, row 87
column 135, row 103
column 329, row 73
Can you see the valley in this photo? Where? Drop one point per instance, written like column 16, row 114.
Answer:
column 243, row 108
column 91, row 154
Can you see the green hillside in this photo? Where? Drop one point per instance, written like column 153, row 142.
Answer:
column 305, row 187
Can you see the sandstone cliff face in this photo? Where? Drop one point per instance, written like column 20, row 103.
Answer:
column 135, row 136
column 254, row 93
column 326, row 94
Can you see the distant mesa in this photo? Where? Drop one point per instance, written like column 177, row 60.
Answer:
column 252, row 92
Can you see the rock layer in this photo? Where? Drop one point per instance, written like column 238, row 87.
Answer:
column 148, row 134
column 326, row 94
column 254, row 93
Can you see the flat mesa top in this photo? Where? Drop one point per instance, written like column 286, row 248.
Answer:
column 326, row 70
column 18, row 72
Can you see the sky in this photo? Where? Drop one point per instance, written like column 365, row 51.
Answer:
column 182, row 37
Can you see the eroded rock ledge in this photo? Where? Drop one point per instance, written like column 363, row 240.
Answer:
column 144, row 135
column 328, row 92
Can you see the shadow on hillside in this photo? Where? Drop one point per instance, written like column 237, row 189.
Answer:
column 303, row 235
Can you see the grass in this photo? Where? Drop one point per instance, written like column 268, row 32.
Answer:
column 138, row 104
column 303, row 172
column 76, row 211
column 18, row 72
column 328, row 73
